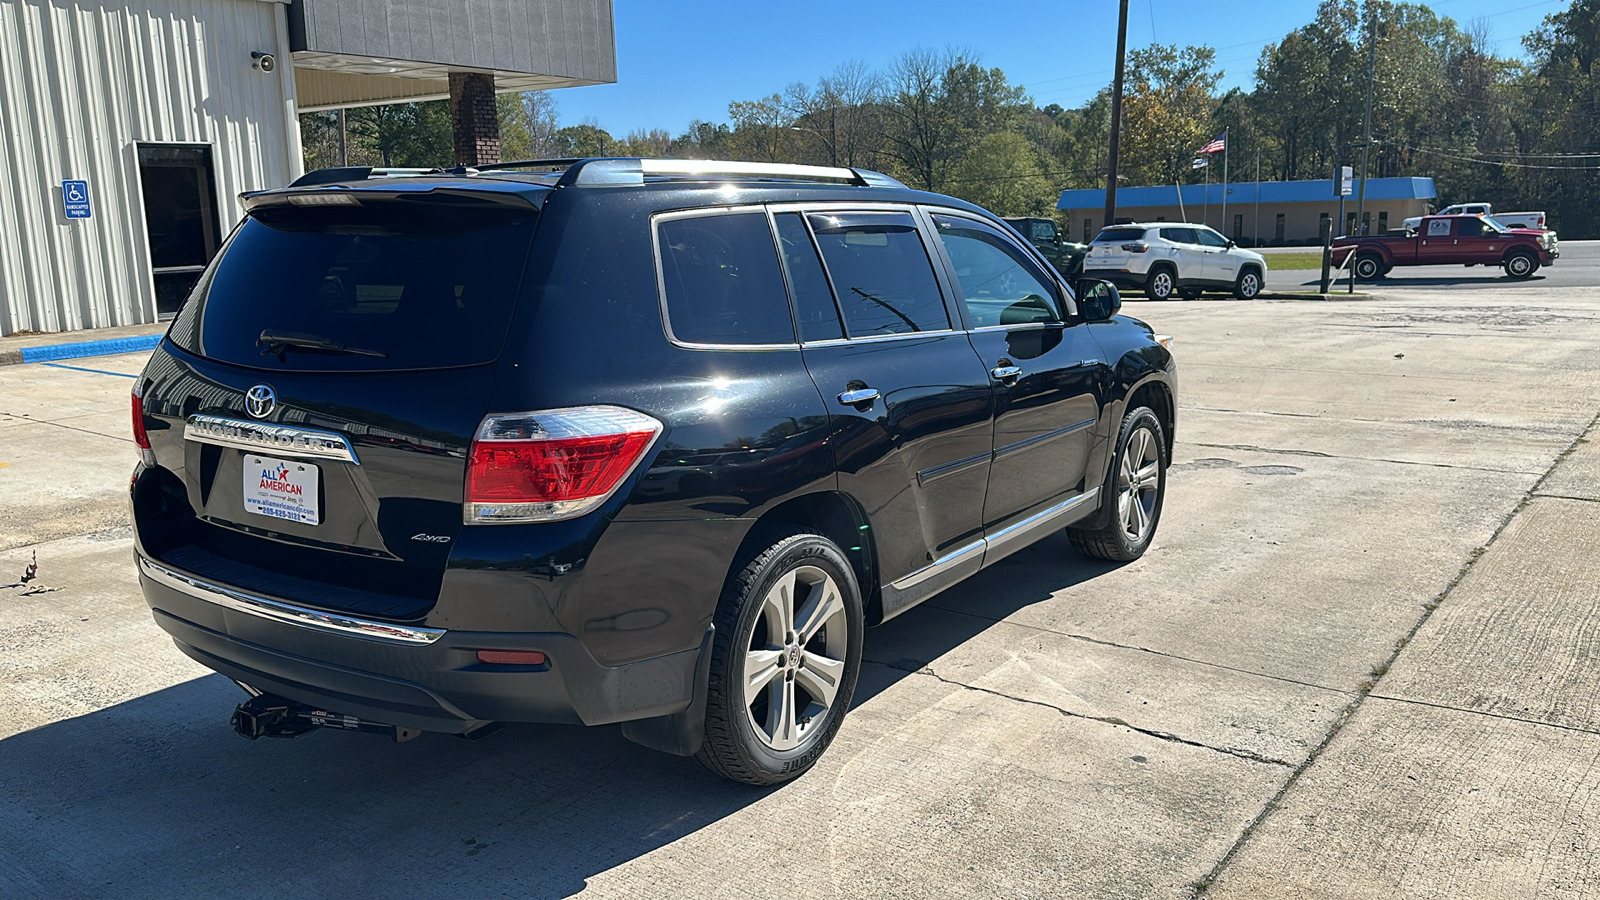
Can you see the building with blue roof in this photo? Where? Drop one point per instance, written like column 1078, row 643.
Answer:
column 1272, row 213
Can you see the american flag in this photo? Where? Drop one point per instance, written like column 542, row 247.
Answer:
column 1217, row 143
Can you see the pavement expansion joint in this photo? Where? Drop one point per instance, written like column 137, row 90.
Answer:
column 1250, row 448
column 1478, row 712
column 1367, row 689
column 37, row 421
column 1105, row 720
column 1131, row 648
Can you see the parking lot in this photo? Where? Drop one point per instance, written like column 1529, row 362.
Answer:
column 1359, row 660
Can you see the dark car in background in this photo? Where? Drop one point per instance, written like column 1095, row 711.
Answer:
column 1042, row 233
column 621, row 440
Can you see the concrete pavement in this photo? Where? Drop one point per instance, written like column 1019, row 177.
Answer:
column 1230, row 715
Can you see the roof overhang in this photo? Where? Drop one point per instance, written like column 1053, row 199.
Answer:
column 391, row 51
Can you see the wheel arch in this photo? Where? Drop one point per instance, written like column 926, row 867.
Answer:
column 1518, row 250
column 834, row 515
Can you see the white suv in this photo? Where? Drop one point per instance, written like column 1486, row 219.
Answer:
column 1166, row 258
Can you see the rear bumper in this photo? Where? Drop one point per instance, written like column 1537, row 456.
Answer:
column 429, row 679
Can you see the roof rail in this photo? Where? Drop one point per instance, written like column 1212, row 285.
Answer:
column 356, row 173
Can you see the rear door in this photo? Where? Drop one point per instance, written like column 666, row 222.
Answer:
column 910, row 402
column 1046, row 372
column 1436, row 241
column 324, row 384
column 1185, row 252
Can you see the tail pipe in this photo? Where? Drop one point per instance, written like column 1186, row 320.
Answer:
column 268, row 715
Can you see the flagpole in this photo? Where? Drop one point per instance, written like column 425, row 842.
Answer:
column 1224, row 182
column 1205, row 198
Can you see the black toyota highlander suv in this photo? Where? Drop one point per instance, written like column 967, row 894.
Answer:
column 618, row 440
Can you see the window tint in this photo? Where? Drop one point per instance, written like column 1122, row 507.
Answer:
column 1210, row 238
column 881, row 273
column 425, row 287
column 1119, row 235
column 1180, row 235
column 813, row 299
column 998, row 285
column 722, row 281
column 1043, row 231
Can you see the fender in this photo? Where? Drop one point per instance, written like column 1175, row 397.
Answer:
column 1136, row 369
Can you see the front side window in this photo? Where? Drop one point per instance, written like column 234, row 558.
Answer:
column 881, row 273
column 721, row 279
column 998, row 285
column 1210, row 238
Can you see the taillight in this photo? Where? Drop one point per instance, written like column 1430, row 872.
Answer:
column 140, row 436
column 552, row 464
column 1136, row 247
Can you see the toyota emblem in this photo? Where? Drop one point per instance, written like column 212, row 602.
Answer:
column 260, row 401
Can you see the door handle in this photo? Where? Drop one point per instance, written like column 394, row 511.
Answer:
column 860, row 395
column 1001, row 373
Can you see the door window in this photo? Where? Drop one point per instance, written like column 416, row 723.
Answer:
column 814, row 309
column 1209, row 238
column 1438, row 228
column 721, row 279
column 180, row 218
column 881, row 273
column 998, row 284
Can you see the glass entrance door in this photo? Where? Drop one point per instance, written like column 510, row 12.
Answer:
column 180, row 214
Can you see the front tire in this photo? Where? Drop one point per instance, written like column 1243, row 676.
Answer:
column 784, row 661
column 1248, row 285
column 1521, row 265
column 1161, row 284
column 1135, row 489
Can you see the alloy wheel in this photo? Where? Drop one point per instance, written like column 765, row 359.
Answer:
column 1518, row 266
column 1139, row 485
column 1162, row 284
column 1366, row 267
column 796, row 658
column 1249, row 285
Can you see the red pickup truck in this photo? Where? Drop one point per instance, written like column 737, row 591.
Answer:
column 1451, row 240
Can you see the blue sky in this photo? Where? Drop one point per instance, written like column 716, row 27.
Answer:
column 681, row 61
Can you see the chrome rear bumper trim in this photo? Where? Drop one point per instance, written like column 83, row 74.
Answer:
column 278, row 611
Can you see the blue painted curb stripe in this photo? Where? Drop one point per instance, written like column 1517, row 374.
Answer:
column 90, row 348
column 95, row 371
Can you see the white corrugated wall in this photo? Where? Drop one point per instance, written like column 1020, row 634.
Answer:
column 81, row 83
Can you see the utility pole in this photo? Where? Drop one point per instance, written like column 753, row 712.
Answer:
column 1116, row 117
column 1366, row 128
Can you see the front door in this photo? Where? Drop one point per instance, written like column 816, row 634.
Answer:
column 910, row 403
column 1222, row 267
column 1046, row 375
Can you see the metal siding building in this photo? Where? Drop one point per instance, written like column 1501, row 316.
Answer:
column 162, row 109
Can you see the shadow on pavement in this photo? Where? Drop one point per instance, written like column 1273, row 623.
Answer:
column 156, row 797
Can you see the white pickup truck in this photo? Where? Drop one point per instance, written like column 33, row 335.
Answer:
column 1534, row 219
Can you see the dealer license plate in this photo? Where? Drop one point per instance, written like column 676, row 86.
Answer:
column 280, row 488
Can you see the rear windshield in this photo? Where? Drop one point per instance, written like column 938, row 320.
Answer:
column 1119, row 235
column 397, row 287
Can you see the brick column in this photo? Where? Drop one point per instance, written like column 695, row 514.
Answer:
column 474, row 119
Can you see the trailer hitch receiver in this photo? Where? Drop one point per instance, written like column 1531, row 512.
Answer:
column 268, row 715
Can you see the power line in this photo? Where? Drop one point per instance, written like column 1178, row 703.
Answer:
column 1498, row 162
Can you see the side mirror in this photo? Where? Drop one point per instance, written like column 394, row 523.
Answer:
column 1231, row 244
column 1098, row 301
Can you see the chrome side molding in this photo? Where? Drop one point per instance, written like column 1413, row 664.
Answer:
column 264, row 437
column 288, row 613
column 951, row 568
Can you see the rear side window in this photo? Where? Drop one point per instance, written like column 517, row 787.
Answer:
column 1119, row 235
column 407, row 286
column 880, row 272
column 1180, row 235
column 721, row 280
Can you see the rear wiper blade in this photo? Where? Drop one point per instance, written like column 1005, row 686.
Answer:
column 275, row 341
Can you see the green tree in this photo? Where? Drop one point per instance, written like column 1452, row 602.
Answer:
column 1002, row 174
column 401, row 134
column 528, row 125
column 1167, row 111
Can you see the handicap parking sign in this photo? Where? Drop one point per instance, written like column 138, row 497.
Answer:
column 75, row 199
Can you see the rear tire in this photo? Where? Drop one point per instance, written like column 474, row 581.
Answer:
column 1369, row 267
column 784, row 660
column 1521, row 265
column 1135, row 488
column 1161, row 284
